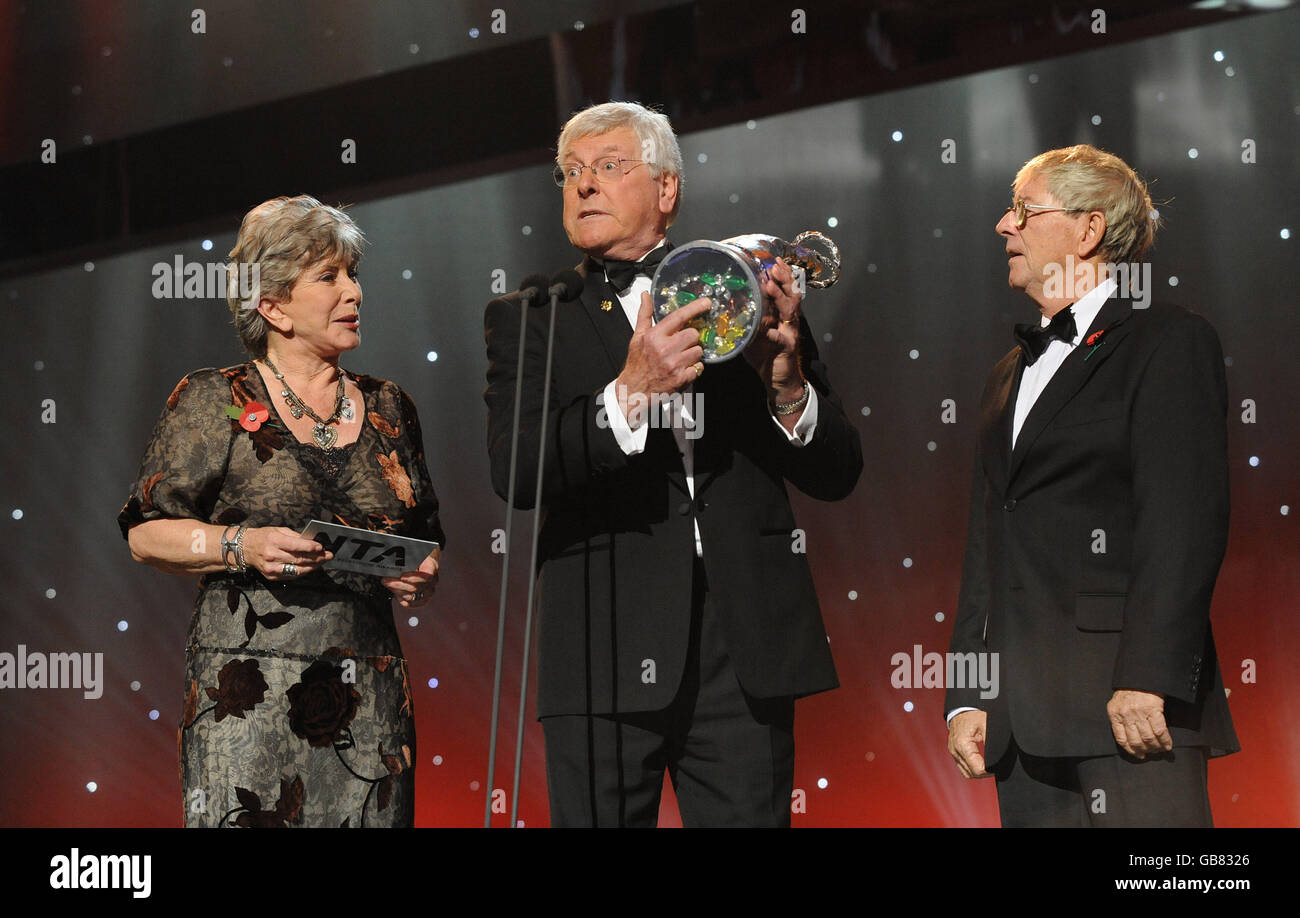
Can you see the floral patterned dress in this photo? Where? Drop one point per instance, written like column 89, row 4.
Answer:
column 298, row 703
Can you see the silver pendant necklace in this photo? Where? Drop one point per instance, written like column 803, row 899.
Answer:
column 323, row 434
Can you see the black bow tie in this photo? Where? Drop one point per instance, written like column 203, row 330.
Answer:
column 621, row 274
column 1034, row 339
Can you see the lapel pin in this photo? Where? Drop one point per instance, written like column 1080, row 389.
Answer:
column 606, row 305
column 1094, row 342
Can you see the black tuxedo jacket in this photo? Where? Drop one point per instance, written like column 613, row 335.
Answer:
column 617, row 545
column 1093, row 546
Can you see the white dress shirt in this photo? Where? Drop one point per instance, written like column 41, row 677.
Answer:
column 1035, row 378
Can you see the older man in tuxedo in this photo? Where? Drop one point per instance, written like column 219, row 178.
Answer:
column 1098, row 521
column 678, row 616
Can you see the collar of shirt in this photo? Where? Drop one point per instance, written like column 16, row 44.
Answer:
column 600, row 261
column 1086, row 309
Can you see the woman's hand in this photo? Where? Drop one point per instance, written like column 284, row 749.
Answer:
column 282, row 554
column 415, row 588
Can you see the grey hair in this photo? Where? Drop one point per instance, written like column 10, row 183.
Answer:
column 1084, row 178
column 654, row 132
column 279, row 239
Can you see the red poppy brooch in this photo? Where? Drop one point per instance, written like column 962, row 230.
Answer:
column 251, row 416
column 1094, row 341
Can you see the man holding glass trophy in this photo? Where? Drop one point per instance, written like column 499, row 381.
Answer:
column 679, row 621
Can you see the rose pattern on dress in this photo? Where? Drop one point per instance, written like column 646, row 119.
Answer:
column 240, row 687
column 287, row 810
column 252, row 619
column 321, row 705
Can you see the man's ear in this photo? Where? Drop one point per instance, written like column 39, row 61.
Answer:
column 1094, row 231
column 667, row 192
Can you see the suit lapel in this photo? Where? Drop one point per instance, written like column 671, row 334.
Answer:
column 998, row 418
column 605, row 313
column 1071, row 376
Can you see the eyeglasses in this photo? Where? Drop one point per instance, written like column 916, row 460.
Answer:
column 608, row 171
column 1023, row 207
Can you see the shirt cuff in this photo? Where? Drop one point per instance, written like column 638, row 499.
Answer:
column 630, row 441
column 806, row 426
column 955, row 711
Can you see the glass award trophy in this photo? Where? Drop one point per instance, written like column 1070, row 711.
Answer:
column 729, row 273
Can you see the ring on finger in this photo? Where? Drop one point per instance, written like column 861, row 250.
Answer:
column 289, row 569
column 699, row 369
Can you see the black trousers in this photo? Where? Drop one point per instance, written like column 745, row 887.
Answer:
column 730, row 756
column 1109, row 791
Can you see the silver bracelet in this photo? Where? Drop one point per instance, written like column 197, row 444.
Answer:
column 228, row 554
column 240, row 564
column 796, row 405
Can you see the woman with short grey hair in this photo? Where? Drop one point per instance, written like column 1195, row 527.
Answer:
column 298, row 705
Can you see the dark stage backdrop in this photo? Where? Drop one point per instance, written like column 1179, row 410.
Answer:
column 910, row 184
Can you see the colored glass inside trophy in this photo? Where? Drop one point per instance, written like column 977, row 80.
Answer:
column 724, row 275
